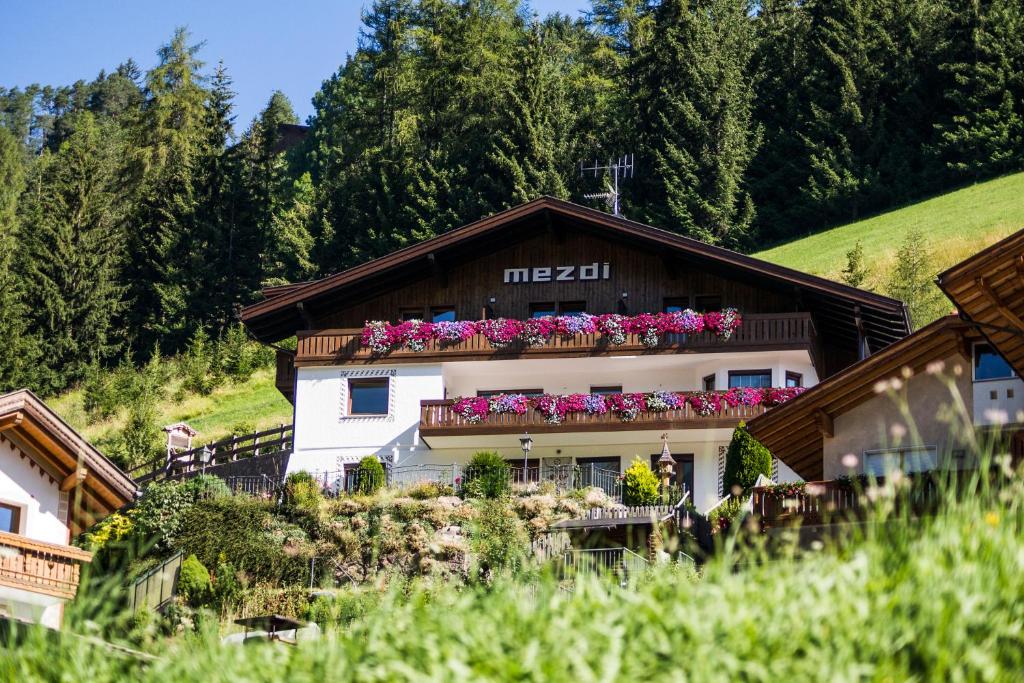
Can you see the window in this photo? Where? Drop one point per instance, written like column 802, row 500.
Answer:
column 703, row 304
column 914, row 459
column 989, row 365
column 794, row 379
column 410, row 314
column 368, row 396
column 572, row 308
column 605, row 390
column 530, row 393
column 10, row 518
column 750, row 378
column 442, row 314
column 675, row 304
column 682, row 473
column 543, row 309
column 709, row 382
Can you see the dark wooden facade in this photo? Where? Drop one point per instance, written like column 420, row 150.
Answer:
column 643, row 275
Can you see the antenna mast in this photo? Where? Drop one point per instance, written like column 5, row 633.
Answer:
column 619, row 168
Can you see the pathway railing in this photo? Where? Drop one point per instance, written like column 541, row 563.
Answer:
column 186, row 463
column 621, row 563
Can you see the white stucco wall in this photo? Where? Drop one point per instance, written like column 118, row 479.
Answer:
column 39, row 498
column 999, row 401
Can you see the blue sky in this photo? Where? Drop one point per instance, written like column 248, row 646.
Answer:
column 290, row 46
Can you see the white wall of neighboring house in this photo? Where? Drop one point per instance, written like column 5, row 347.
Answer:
column 326, row 439
column 999, row 402
column 42, row 512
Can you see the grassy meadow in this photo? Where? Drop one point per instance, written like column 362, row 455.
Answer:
column 941, row 598
column 956, row 225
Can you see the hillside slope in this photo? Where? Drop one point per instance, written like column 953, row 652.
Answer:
column 956, row 225
column 254, row 404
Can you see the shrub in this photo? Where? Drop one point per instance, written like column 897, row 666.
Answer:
column 238, row 357
column 204, row 486
column 302, row 492
column 227, row 590
column 114, row 528
column 487, row 475
column 499, row 538
column 745, row 460
column 194, row 582
column 160, row 513
column 371, row 476
column 100, row 396
column 639, row 484
column 425, row 490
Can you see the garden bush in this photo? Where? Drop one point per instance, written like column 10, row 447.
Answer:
column 426, row 490
column 194, row 582
column 499, row 539
column 371, row 476
column 302, row 493
column 639, row 484
column 744, row 461
column 486, row 476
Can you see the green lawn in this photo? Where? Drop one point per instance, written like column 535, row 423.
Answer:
column 256, row 402
column 956, row 225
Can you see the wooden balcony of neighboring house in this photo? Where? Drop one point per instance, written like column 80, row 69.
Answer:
column 39, row 567
column 439, row 419
column 759, row 332
column 846, row 500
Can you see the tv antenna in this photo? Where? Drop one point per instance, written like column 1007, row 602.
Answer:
column 619, row 168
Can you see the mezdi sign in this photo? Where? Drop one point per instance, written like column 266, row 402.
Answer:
column 593, row 271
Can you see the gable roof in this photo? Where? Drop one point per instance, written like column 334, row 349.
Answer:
column 97, row 486
column 836, row 305
column 794, row 431
column 988, row 288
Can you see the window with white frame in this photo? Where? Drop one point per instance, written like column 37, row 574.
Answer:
column 882, row 462
column 990, row 365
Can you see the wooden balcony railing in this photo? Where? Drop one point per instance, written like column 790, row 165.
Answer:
column 40, row 567
column 760, row 332
column 437, row 418
column 825, row 502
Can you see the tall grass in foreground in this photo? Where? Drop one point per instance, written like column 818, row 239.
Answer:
column 940, row 598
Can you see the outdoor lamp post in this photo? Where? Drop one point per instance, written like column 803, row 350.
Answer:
column 205, row 456
column 526, row 443
column 666, row 464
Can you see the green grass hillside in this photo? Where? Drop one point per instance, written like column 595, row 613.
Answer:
column 956, row 225
column 256, row 403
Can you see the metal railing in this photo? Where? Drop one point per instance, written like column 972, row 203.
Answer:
column 157, row 587
column 257, row 485
column 621, row 563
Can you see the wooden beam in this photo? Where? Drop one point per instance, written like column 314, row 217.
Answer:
column 12, row 420
column 825, row 424
column 996, row 302
column 74, row 479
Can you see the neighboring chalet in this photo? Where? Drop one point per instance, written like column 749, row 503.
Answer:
column 554, row 258
column 933, row 400
column 53, row 485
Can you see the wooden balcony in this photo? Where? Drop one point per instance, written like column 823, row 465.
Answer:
column 759, row 332
column 40, row 567
column 437, row 418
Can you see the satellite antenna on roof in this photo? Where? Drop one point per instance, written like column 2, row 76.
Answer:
column 620, row 168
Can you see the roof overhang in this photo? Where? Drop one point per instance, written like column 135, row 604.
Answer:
column 988, row 289
column 795, row 431
column 97, row 486
column 840, row 311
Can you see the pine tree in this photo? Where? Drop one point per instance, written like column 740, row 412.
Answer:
column 16, row 362
column 983, row 132
column 73, row 251
column 856, row 271
column 697, row 132
column 170, row 136
column 911, row 280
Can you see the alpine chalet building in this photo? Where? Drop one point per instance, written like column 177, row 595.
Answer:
column 590, row 335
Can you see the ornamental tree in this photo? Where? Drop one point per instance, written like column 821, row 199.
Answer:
column 639, row 484
column 746, row 458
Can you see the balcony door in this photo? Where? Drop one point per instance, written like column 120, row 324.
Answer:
column 682, row 475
